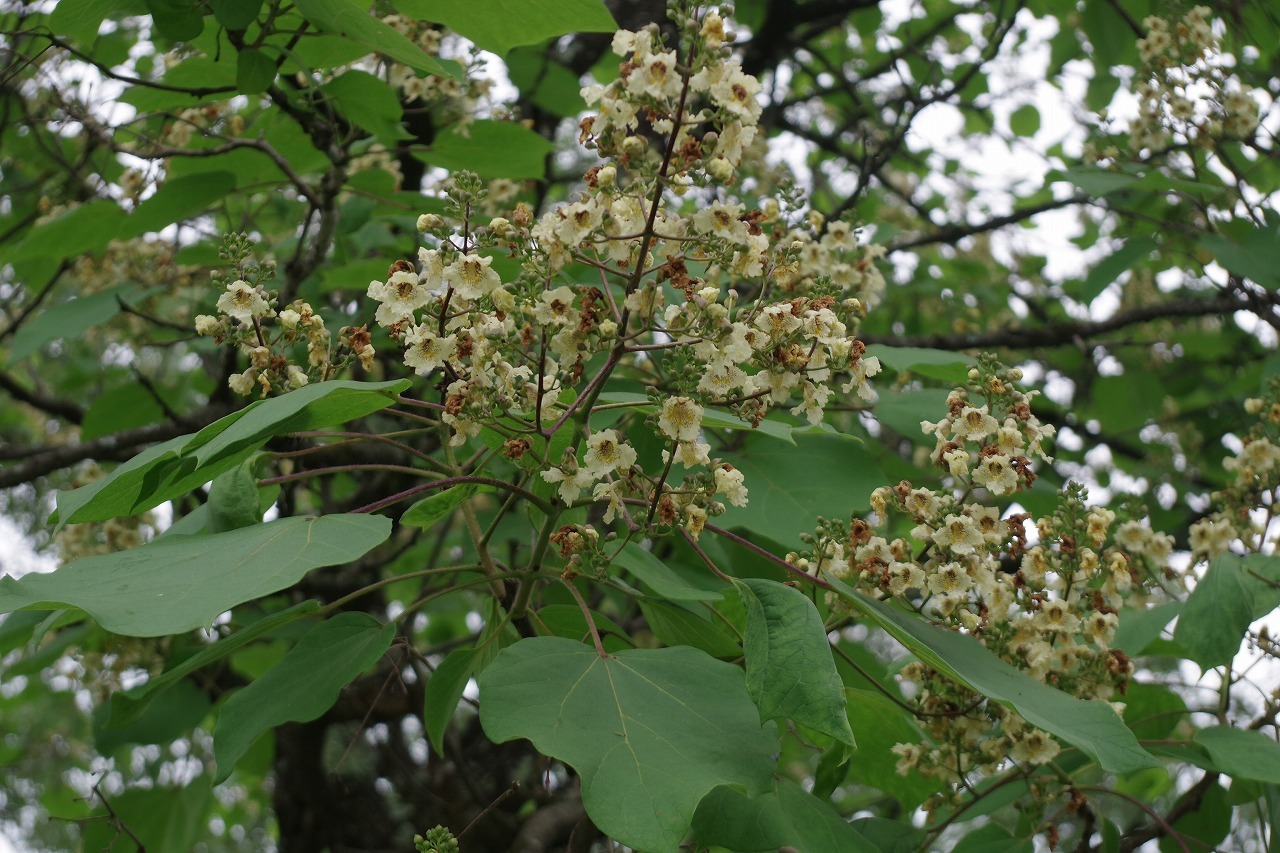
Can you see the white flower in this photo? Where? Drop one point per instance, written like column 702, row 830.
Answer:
column 288, row 318
column 207, row 324
column 425, row 351
column 471, row 276
column 997, row 475
column 243, row 302
column 859, row 372
column 691, row 453
column 242, row 383
column 729, row 482
column 571, row 484
column 607, row 451
column 721, row 380
column 297, row 376
column 721, row 220
column 974, row 424
column 681, row 418
column 1210, row 537
column 624, row 42
column 398, row 298
column 957, row 462
column 949, row 579
column 959, row 534
column 1035, row 747
column 555, row 307
column 656, row 77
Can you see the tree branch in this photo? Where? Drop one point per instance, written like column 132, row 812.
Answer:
column 1062, row 333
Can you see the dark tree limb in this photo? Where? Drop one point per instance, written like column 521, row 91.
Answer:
column 1070, row 332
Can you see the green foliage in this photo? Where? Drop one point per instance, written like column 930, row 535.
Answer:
column 637, row 454
column 650, row 731
column 302, row 686
column 180, row 583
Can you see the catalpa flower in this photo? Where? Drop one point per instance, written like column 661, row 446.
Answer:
column 471, row 276
column 426, row 351
column 681, row 418
column 607, row 451
column 244, row 302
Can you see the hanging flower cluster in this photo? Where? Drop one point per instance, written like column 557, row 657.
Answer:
column 248, row 319
column 1186, row 93
column 1245, row 507
column 1044, row 597
column 717, row 304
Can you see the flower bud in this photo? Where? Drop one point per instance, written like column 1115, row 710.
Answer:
column 607, row 176
column 429, row 222
column 720, row 170
column 634, row 146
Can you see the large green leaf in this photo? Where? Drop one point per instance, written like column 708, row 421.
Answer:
column 1249, row 251
column 236, row 14
column 1152, row 711
column 175, row 467
column 879, row 725
column 125, row 407
column 786, row 498
column 786, row 816
column 903, row 412
column 184, row 582
column 178, row 200
column 173, row 715
column 426, row 512
column 675, row 626
column 663, row 580
column 302, row 686
column 370, row 103
column 790, row 671
column 1093, row 727
column 1139, row 627
column 1229, row 596
column 81, row 19
column 545, row 82
column 492, row 149
column 129, row 705
column 176, row 20
column 444, row 692
column 67, row 320
column 993, row 838
column 1241, row 753
column 499, row 25
column 233, row 499
column 947, row 366
column 163, row 818
column 1110, row 268
column 649, row 731
column 351, row 18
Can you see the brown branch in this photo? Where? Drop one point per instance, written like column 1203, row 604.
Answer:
column 45, row 403
column 952, row 233
column 1186, row 804
column 1069, row 332
column 120, row 446
column 105, row 71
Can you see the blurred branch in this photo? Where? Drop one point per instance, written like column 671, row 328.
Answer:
column 1070, row 332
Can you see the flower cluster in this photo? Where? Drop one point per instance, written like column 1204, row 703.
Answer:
column 452, row 100
column 249, row 319
column 1246, row 504
column 1185, row 93
column 1043, row 595
column 717, row 305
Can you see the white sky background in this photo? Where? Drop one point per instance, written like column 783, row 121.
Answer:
column 939, row 128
